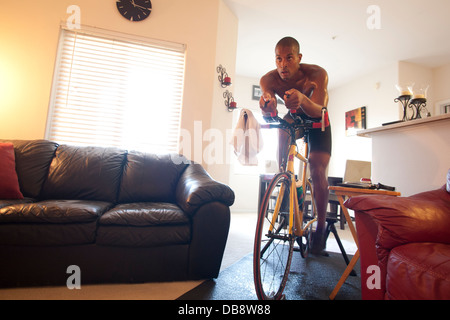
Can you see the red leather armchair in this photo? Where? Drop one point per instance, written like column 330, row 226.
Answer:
column 404, row 245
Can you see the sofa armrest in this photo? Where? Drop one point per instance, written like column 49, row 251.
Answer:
column 424, row 217
column 196, row 188
column 384, row 222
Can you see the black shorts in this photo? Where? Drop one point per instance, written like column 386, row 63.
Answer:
column 318, row 140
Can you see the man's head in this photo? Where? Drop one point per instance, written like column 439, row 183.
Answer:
column 288, row 57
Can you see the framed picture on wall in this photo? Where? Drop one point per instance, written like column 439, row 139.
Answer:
column 256, row 94
column 355, row 120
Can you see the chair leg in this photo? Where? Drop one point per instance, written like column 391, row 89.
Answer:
column 341, row 219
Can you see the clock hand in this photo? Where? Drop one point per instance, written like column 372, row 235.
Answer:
column 139, row 6
column 144, row 8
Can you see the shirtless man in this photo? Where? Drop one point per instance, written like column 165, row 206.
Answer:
column 303, row 87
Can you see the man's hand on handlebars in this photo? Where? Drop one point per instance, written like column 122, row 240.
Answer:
column 293, row 100
column 268, row 105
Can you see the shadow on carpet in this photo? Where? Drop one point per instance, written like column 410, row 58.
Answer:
column 313, row 278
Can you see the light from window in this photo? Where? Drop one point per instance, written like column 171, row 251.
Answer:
column 118, row 93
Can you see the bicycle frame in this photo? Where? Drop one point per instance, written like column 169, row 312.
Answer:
column 294, row 211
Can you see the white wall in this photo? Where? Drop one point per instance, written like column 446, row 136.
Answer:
column 376, row 91
column 413, row 159
column 217, row 161
column 421, row 76
column 441, row 86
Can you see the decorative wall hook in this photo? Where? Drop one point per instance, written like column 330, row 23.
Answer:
column 224, row 79
column 229, row 101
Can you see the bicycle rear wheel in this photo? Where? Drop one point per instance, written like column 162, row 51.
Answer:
column 273, row 246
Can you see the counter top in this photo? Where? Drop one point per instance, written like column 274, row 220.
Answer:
column 405, row 124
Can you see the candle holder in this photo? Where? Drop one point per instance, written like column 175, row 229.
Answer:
column 224, row 79
column 404, row 100
column 229, row 101
column 412, row 107
column 420, row 105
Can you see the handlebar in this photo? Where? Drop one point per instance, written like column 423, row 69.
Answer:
column 276, row 122
column 298, row 121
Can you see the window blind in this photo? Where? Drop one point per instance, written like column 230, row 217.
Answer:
column 113, row 92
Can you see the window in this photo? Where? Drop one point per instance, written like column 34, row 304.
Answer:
column 111, row 90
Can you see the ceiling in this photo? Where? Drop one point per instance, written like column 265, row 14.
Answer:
column 335, row 34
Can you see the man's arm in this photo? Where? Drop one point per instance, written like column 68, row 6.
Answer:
column 311, row 106
column 268, row 100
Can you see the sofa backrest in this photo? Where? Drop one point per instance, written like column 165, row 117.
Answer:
column 151, row 177
column 88, row 173
column 33, row 158
column 47, row 170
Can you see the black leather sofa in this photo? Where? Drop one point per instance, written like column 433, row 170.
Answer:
column 120, row 216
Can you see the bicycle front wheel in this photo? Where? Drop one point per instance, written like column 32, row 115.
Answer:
column 273, row 247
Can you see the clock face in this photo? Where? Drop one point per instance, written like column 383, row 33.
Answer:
column 134, row 10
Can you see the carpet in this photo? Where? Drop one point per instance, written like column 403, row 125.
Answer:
column 313, row 278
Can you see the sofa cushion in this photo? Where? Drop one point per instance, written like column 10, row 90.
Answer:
column 49, row 223
column 33, row 158
column 419, row 271
column 89, row 173
column 9, row 202
column 9, row 182
column 54, row 211
column 144, row 214
column 150, row 177
column 144, row 225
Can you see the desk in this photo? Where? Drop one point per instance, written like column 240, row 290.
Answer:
column 341, row 193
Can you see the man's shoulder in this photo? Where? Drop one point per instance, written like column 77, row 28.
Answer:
column 313, row 70
column 271, row 75
column 270, row 78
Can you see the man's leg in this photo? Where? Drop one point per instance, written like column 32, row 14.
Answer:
column 318, row 166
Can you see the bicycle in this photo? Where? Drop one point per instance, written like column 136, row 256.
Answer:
column 283, row 218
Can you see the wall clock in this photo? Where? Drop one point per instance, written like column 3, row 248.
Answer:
column 134, row 10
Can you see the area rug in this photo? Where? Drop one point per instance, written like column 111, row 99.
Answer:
column 313, row 278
